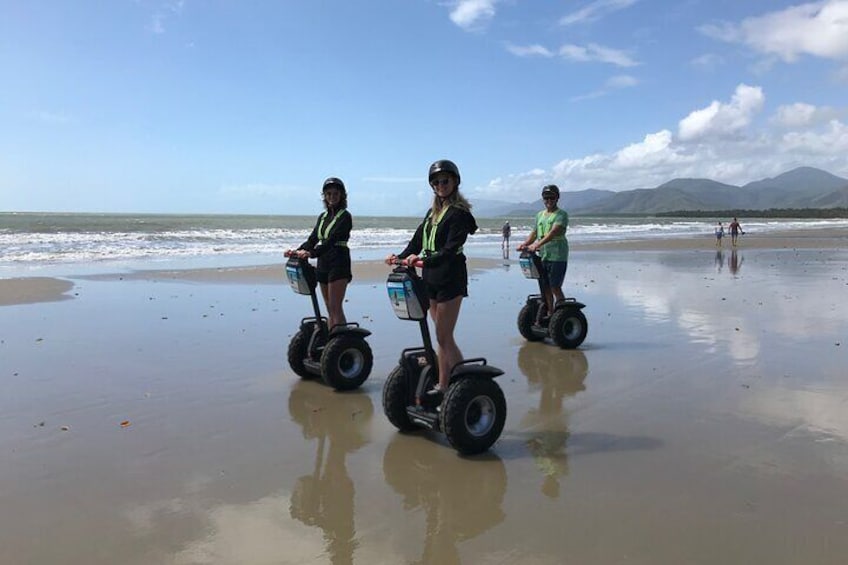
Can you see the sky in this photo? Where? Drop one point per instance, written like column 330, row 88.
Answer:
column 224, row 106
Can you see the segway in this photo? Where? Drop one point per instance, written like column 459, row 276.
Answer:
column 341, row 357
column 473, row 412
column 566, row 325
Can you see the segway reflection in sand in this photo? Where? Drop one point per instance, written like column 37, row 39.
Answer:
column 473, row 412
column 566, row 326
column 341, row 357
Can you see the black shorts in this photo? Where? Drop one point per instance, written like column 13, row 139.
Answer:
column 446, row 292
column 337, row 272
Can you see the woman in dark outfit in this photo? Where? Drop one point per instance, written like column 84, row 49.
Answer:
column 328, row 242
column 438, row 243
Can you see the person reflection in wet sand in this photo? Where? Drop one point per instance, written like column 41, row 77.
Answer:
column 458, row 509
column 719, row 260
column 559, row 374
column 325, row 497
column 734, row 263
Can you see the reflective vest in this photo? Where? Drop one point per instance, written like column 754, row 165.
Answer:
column 324, row 231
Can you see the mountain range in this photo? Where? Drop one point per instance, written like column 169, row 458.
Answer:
column 804, row 187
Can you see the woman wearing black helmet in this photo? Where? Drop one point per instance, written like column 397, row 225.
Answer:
column 548, row 235
column 438, row 243
column 328, row 242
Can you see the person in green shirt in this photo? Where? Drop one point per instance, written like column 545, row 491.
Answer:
column 548, row 239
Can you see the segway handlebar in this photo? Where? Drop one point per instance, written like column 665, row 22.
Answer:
column 404, row 263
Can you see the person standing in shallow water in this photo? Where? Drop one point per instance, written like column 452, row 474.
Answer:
column 735, row 230
column 719, row 233
column 438, row 242
column 328, row 242
column 506, row 231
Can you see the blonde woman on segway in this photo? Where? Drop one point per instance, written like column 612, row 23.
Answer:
column 438, row 243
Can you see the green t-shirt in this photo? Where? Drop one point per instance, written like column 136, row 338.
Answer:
column 555, row 249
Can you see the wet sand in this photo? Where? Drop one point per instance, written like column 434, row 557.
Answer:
column 153, row 419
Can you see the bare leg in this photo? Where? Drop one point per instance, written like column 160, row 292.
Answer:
column 334, row 293
column 445, row 315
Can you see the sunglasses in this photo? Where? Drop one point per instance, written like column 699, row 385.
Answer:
column 439, row 182
column 549, row 198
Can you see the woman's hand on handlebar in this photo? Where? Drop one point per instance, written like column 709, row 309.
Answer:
column 391, row 259
column 299, row 253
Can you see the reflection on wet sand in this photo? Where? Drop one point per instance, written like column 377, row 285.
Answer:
column 559, row 374
column 462, row 498
column 324, row 498
column 734, row 263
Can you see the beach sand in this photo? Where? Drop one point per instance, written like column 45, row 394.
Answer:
column 150, row 417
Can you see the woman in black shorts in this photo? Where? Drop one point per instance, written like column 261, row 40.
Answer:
column 438, row 243
column 328, row 242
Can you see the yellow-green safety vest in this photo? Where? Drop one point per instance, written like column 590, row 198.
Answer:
column 324, row 232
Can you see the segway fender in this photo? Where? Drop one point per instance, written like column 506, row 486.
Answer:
column 569, row 303
column 349, row 330
column 475, row 368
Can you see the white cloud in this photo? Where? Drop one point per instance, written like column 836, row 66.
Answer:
column 613, row 83
column 655, row 148
column 622, row 81
column 801, row 115
column 719, row 142
column 830, row 141
column 819, row 29
column 596, row 53
column 471, row 14
column 595, row 10
column 52, row 118
column 721, row 120
column 529, row 50
column 707, row 61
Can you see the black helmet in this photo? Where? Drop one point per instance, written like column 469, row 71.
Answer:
column 444, row 166
column 334, row 181
column 550, row 190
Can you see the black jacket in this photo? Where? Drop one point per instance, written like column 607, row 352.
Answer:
column 441, row 266
column 328, row 253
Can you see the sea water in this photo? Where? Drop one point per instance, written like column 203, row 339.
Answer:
column 36, row 242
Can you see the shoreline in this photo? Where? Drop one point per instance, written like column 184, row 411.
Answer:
column 29, row 290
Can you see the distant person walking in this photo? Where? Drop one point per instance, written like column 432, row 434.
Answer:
column 506, row 231
column 735, row 230
column 719, row 233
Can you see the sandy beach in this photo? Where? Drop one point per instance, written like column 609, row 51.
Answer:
column 150, row 417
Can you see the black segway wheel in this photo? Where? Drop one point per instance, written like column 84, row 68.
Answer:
column 346, row 362
column 473, row 414
column 298, row 351
column 396, row 397
column 526, row 319
column 568, row 327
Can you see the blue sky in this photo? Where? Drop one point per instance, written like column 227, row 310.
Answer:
column 245, row 107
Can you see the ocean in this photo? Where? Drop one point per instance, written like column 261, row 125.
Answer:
column 43, row 241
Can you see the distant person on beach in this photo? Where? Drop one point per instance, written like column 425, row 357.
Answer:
column 548, row 235
column 719, row 233
column 506, row 231
column 735, row 230
column 438, row 243
column 328, row 242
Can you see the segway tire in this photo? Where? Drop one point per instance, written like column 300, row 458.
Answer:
column 568, row 327
column 473, row 414
column 526, row 319
column 298, row 351
column 346, row 362
column 396, row 399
